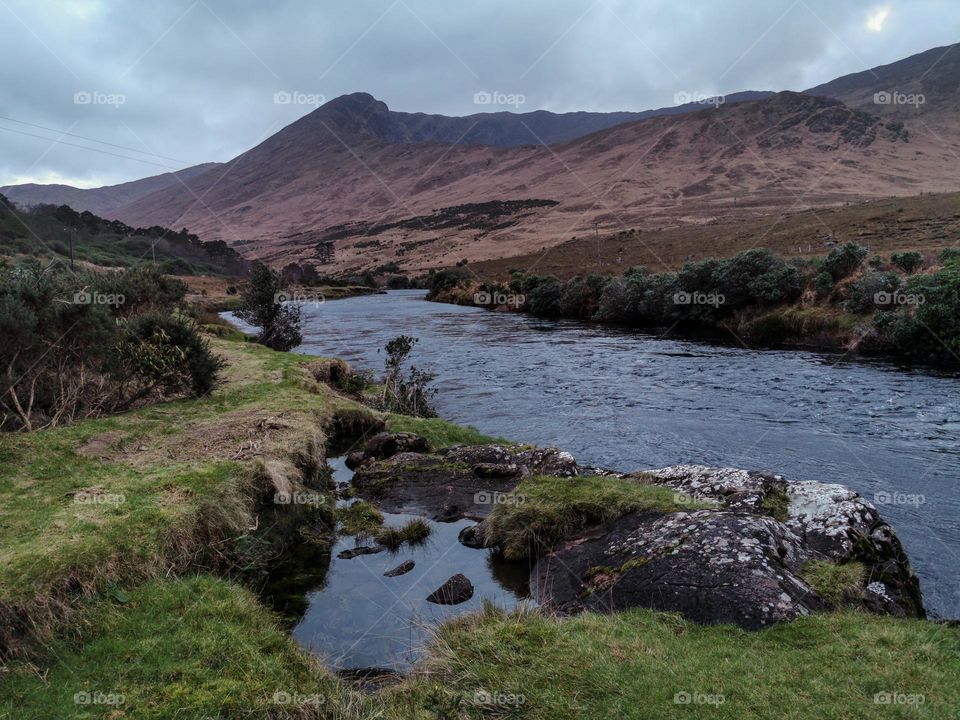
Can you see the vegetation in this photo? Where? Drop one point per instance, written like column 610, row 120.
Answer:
column 414, row 532
column 440, row 433
column 84, row 344
column 837, row 584
column 543, row 511
column 359, row 518
column 410, row 394
column 263, row 305
column 48, row 232
column 837, row 301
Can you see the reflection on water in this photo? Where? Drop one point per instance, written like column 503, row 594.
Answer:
column 630, row 401
column 351, row 614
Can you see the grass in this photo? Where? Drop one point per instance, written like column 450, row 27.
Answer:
column 189, row 648
column 414, row 532
column 634, row 665
column 543, row 511
column 360, row 518
column 837, row 584
column 163, row 490
column 440, row 433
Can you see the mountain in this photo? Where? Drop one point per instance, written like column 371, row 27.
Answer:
column 354, row 185
column 102, row 200
column 924, row 88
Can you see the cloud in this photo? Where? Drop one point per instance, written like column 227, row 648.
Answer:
column 198, row 78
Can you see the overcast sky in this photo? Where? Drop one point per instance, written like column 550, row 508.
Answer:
column 200, row 80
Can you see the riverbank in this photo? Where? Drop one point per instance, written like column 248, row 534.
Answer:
column 127, row 542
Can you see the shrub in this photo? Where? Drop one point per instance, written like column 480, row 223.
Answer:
column 862, row 293
column 950, row 256
column 447, row 279
column 543, row 296
column 930, row 329
column 909, row 262
column 843, row 260
column 823, row 284
column 262, row 306
column 580, row 297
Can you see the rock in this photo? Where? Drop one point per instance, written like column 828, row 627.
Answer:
column 401, row 569
column 354, row 460
column 360, row 550
column 831, row 519
column 458, row 589
column 459, row 482
column 385, row 445
column 713, row 566
column 472, row 537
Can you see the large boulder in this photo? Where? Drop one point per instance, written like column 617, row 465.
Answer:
column 458, row 589
column 462, row 481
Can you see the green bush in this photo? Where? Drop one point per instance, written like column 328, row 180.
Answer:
column 909, row 262
column 862, row 293
column 263, row 306
column 843, row 260
column 543, row 296
column 929, row 328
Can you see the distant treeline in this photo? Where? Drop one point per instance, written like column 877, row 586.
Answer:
column 843, row 300
column 45, row 230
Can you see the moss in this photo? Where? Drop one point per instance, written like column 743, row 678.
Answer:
column 542, row 511
column 835, row 583
column 776, row 503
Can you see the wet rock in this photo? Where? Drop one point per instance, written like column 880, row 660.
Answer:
column 385, row 445
column 472, row 537
column 361, row 550
column 401, row 569
column 354, row 460
column 460, row 482
column 458, row 589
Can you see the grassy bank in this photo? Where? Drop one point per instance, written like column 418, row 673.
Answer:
column 124, row 543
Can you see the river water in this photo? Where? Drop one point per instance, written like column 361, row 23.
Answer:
column 629, row 401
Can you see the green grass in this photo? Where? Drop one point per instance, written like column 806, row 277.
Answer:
column 837, row 584
column 633, row 665
column 359, row 518
column 168, row 493
column 190, row 648
column 440, row 433
column 542, row 511
column 414, row 532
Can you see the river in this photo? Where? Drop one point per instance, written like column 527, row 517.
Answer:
column 630, row 401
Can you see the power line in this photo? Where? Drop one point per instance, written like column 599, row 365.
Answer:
column 85, row 147
column 89, row 139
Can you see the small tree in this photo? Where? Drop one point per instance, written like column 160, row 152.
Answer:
column 263, row 306
column 406, row 395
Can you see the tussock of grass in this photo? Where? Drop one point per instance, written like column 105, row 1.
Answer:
column 414, row 532
column 542, row 511
column 440, row 433
column 633, row 665
column 359, row 518
column 837, row 584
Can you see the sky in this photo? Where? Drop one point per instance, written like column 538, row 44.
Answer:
column 148, row 87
